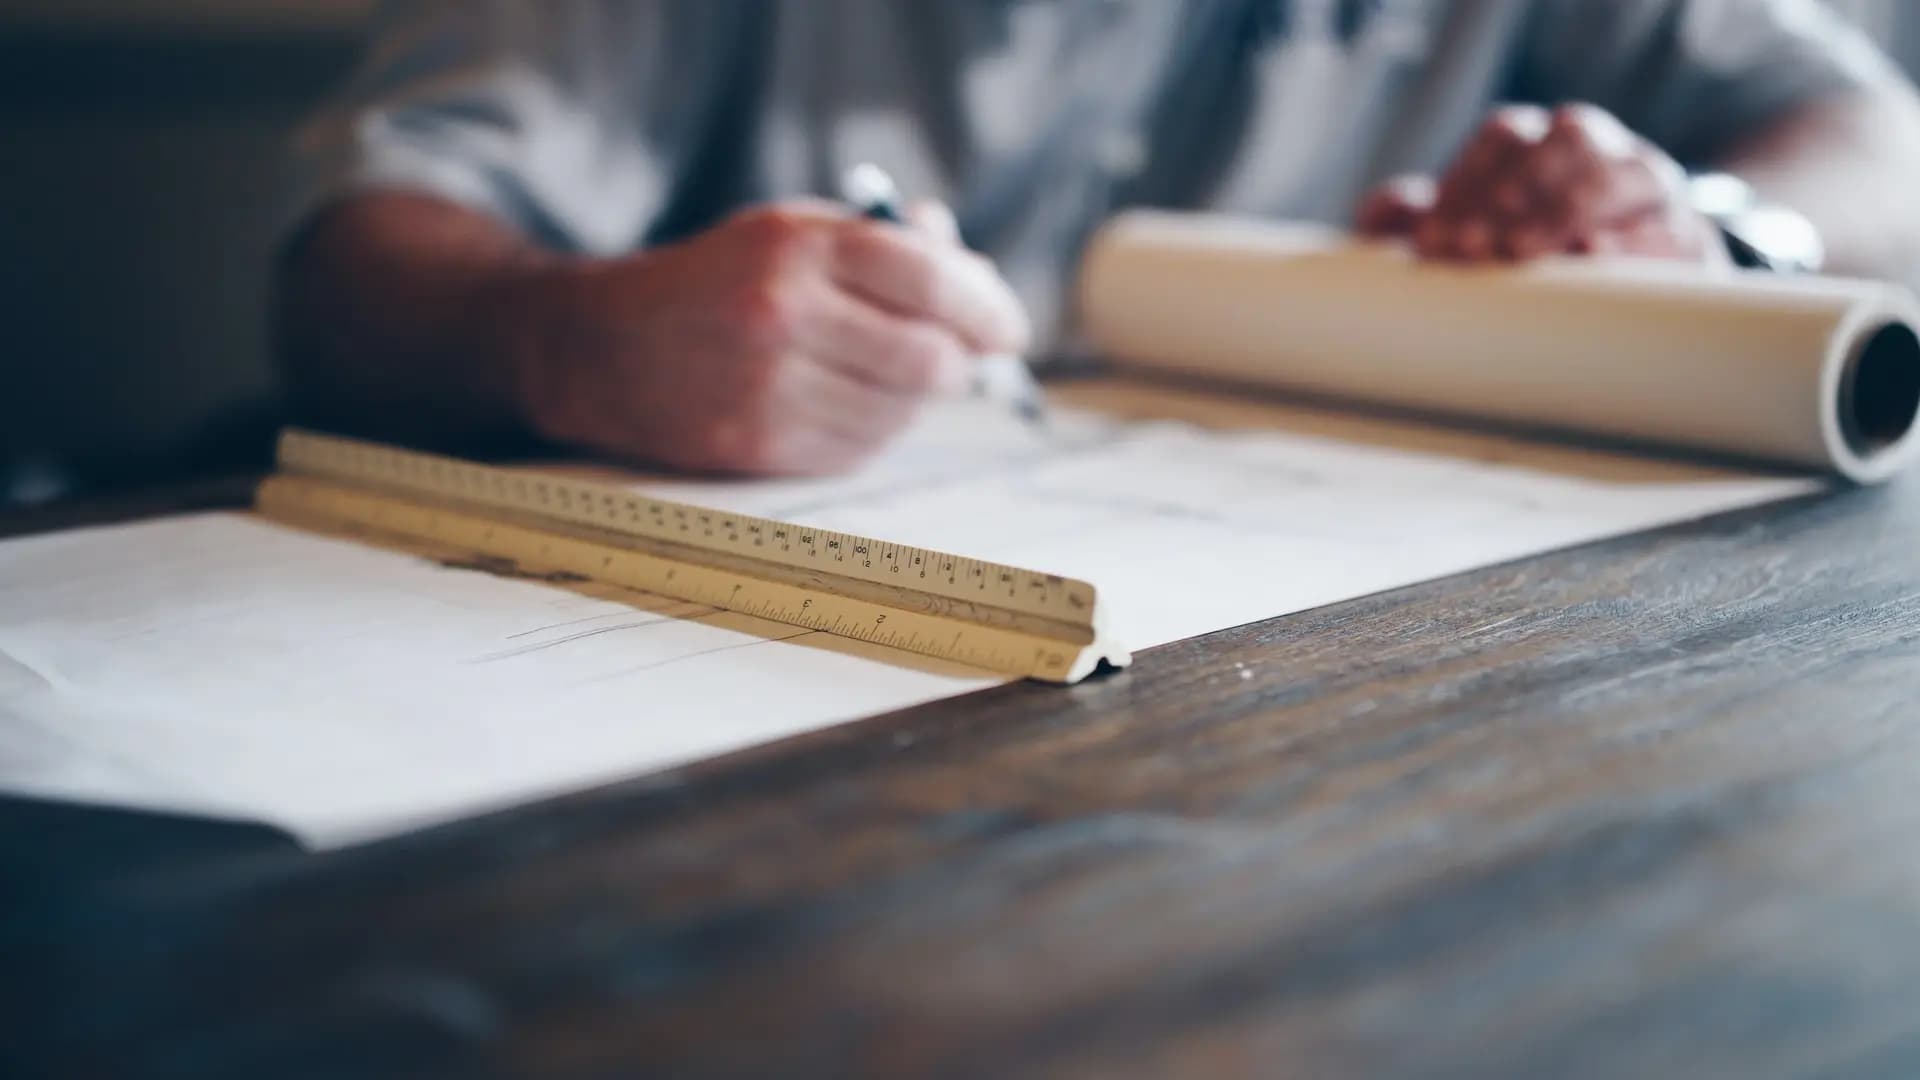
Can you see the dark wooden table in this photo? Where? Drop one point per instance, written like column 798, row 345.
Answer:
column 1644, row 808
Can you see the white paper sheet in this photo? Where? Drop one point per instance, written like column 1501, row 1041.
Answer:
column 1193, row 512
column 224, row 665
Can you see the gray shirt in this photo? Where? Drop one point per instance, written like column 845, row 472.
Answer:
column 602, row 126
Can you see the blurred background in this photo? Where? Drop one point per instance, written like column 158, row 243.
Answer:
column 140, row 186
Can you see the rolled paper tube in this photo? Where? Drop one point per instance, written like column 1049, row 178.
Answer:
column 1817, row 372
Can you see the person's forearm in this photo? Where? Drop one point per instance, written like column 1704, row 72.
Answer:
column 398, row 316
column 1852, row 166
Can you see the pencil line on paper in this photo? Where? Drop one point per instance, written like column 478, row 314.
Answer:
column 523, row 650
column 694, row 656
column 680, row 611
column 569, row 622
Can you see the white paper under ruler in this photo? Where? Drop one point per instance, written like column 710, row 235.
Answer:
column 228, row 665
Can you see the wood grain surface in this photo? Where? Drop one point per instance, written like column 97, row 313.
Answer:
column 1643, row 808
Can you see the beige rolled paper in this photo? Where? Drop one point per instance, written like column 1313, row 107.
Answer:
column 1809, row 371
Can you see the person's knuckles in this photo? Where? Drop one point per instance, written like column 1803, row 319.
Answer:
column 1572, row 154
column 1507, row 130
column 780, row 232
column 1475, row 239
column 1462, row 189
column 1511, row 198
column 924, row 360
column 1555, row 164
column 1580, row 204
column 1466, row 188
column 1594, row 128
column 1492, row 153
column 1463, row 236
column 1529, row 240
column 1433, row 239
column 769, row 310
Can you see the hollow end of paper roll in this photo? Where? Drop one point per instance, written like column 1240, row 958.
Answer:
column 1879, row 400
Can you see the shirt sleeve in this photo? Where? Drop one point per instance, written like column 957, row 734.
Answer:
column 1694, row 76
column 534, row 111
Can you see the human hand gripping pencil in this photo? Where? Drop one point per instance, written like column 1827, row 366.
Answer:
column 1000, row 377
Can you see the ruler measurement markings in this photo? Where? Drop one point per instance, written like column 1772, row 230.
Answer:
column 969, row 643
column 575, row 500
column 603, row 505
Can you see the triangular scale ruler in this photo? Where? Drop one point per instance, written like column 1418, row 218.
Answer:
column 970, row 611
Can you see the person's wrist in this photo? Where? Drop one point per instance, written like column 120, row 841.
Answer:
column 520, row 314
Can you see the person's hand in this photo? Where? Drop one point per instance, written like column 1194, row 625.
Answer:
column 1534, row 183
column 793, row 338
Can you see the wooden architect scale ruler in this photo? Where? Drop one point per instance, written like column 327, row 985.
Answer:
column 987, row 615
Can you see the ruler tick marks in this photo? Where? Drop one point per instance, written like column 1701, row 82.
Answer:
column 570, row 530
